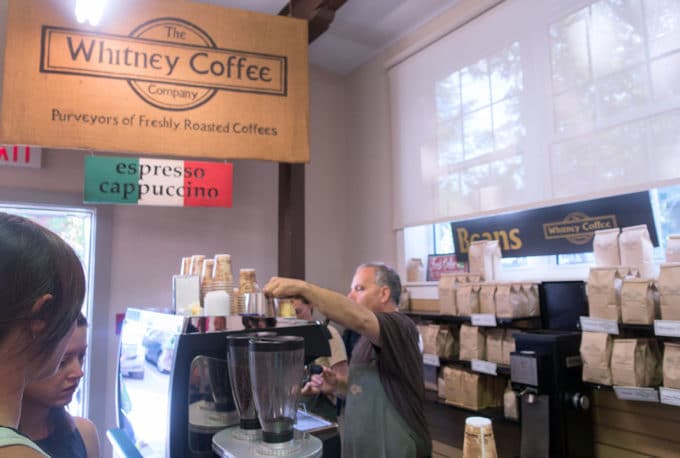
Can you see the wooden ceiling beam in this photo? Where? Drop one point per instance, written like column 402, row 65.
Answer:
column 318, row 13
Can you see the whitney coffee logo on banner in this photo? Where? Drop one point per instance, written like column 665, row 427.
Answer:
column 181, row 73
column 561, row 229
column 157, row 78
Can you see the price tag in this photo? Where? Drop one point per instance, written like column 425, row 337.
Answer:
column 632, row 393
column 483, row 319
column 589, row 324
column 485, row 367
column 430, row 360
column 667, row 328
column 670, row 396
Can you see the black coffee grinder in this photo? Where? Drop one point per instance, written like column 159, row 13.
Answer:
column 556, row 416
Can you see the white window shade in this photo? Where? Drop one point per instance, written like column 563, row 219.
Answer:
column 537, row 102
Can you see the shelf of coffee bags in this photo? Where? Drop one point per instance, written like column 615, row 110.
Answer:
column 481, row 320
column 492, row 413
column 438, row 317
column 479, row 366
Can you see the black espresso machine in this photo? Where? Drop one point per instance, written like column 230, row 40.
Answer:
column 172, row 388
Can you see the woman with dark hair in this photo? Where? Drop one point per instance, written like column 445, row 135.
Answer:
column 42, row 287
column 43, row 415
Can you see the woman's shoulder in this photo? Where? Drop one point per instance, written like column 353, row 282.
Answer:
column 88, row 431
column 17, row 445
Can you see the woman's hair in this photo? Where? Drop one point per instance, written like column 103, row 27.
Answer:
column 34, row 262
column 61, row 420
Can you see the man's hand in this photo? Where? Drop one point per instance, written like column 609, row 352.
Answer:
column 326, row 382
column 284, row 287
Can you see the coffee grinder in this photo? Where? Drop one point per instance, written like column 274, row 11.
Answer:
column 556, row 418
column 275, row 372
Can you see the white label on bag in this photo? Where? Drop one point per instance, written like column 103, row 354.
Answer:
column 670, row 396
column 589, row 324
column 632, row 393
column 485, row 367
column 430, row 360
column 484, row 319
column 667, row 328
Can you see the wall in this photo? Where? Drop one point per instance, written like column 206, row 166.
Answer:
column 327, row 202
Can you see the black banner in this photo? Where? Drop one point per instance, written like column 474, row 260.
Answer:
column 561, row 229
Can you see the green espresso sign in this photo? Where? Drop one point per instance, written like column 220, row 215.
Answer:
column 160, row 182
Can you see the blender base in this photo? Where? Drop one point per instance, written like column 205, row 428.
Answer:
column 225, row 445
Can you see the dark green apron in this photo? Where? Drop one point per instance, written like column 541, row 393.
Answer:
column 373, row 428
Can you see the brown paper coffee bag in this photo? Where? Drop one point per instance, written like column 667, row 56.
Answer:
column 510, row 406
column 596, row 353
column 508, row 346
column 636, row 362
column 472, row 343
column 669, row 290
column 429, row 334
column 447, row 345
column 453, row 385
column 487, row 299
column 494, row 345
column 606, row 247
column 671, row 365
column 467, row 299
column 532, row 305
column 636, row 248
column 502, row 298
column 604, row 292
column 447, row 294
column 639, row 301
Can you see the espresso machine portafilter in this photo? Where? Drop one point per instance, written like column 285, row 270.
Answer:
column 556, row 418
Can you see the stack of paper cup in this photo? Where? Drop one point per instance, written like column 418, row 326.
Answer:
column 479, row 441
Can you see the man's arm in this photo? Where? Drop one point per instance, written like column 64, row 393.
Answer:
column 334, row 305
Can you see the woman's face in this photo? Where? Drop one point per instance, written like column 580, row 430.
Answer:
column 57, row 390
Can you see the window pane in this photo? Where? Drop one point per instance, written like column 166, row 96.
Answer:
column 569, row 52
column 663, row 25
column 475, row 86
column 616, row 35
column 664, row 134
column 448, row 97
column 575, row 111
column 508, row 127
column 506, row 74
column 449, row 142
column 477, row 133
column 623, row 91
column 665, row 77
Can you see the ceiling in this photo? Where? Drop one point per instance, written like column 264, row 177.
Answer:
column 360, row 30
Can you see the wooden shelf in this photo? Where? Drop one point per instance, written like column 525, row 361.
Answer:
column 492, row 413
column 533, row 322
